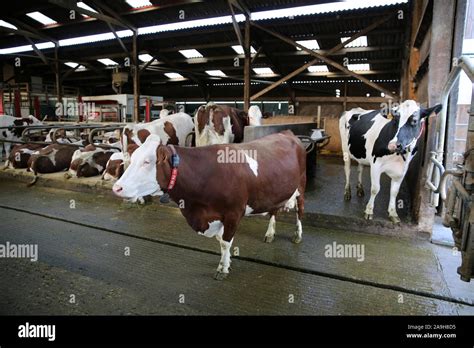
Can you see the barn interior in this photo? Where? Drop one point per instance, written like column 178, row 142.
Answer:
column 303, row 63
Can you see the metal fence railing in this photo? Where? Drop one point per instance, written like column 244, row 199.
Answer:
column 437, row 174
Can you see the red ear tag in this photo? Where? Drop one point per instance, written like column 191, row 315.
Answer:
column 174, row 175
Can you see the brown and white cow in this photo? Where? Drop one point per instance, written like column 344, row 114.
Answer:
column 222, row 124
column 89, row 161
column 20, row 154
column 115, row 167
column 171, row 130
column 53, row 158
column 215, row 186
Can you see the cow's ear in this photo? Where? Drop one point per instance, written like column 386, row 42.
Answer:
column 426, row 112
column 161, row 154
column 120, row 170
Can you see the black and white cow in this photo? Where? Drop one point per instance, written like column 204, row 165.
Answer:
column 385, row 141
column 14, row 133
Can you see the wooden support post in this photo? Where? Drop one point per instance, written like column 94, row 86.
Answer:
column 458, row 38
column 59, row 88
column 2, row 109
column 136, row 79
column 440, row 65
column 80, row 108
column 17, row 102
column 344, row 104
column 247, row 65
column 148, row 110
column 36, row 107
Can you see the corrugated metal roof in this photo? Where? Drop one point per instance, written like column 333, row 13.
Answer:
column 326, row 27
column 318, row 9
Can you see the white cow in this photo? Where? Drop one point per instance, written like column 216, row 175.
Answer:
column 171, row 130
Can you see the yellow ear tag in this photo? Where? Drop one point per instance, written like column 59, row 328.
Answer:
column 389, row 116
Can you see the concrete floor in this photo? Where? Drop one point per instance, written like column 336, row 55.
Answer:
column 328, row 187
column 81, row 253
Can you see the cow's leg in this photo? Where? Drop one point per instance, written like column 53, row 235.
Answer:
column 7, row 160
column 375, row 173
column 392, row 209
column 270, row 234
column 7, row 146
column 347, row 171
column 299, row 216
column 360, row 188
column 224, row 263
column 225, row 241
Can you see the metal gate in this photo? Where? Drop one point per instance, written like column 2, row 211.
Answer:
column 459, row 200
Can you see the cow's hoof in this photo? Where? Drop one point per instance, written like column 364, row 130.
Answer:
column 360, row 191
column 165, row 198
column 221, row 267
column 297, row 239
column 395, row 219
column 347, row 195
column 67, row 176
column 269, row 239
column 32, row 182
column 220, row 275
column 369, row 216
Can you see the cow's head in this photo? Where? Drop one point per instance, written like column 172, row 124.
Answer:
column 139, row 179
column 408, row 123
column 86, row 170
column 114, row 167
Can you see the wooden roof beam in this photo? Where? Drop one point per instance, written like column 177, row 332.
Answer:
column 324, row 58
column 72, row 5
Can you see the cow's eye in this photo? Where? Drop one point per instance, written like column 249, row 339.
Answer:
column 414, row 122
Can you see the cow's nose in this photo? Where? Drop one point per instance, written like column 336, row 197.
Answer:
column 393, row 147
column 117, row 188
